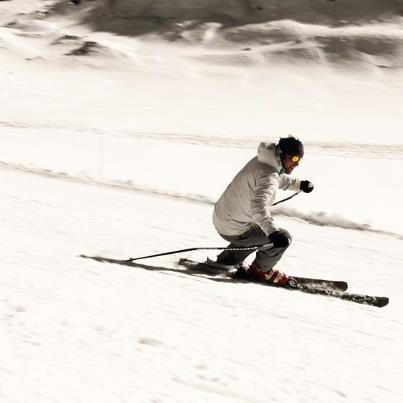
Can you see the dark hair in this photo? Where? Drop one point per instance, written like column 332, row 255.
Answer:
column 291, row 146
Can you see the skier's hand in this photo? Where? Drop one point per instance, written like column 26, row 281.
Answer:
column 306, row 186
column 280, row 239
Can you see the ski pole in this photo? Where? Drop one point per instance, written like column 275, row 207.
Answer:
column 287, row 198
column 132, row 259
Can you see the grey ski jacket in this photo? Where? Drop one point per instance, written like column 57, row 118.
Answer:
column 248, row 198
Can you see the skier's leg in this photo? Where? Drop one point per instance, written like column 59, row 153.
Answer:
column 267, row 258
column 255, row 236
column 262, row 267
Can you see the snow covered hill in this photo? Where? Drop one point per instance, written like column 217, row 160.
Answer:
column 118, row 145
column 365, row 32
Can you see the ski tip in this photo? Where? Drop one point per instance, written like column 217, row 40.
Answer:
column 382, row 301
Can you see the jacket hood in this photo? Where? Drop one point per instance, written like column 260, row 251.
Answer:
column 268, row 154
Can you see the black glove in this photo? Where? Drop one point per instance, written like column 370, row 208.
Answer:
column 279, row 239
column 306, row 186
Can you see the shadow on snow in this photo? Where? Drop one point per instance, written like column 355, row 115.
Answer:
column 187, row 271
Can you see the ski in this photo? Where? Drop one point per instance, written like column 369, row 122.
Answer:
column 211, row 267
column 346, row 296
column 329, row 288
column 211, row 271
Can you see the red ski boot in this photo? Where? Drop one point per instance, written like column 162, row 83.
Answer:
column 273, row 276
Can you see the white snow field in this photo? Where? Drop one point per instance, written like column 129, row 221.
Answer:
column 121, row 123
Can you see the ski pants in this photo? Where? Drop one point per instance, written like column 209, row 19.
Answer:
column 265, row 257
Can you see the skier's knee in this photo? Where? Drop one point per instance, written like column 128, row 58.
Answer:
column 288, row 235
column 280, row 238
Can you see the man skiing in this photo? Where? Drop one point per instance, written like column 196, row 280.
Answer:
column 242, row 214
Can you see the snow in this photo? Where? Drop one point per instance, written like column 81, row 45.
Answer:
column 121, row 151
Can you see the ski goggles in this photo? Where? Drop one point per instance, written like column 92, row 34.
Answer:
column 296, row 159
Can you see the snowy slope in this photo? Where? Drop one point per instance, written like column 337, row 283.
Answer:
column 76, row 330
column 118, row 145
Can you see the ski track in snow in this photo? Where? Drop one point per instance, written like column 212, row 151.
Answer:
column 348, row 150
column 76, row 131
column 320, row 218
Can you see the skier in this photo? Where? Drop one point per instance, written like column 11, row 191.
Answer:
column 242, row 214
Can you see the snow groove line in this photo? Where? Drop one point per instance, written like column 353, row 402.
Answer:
column 120, row 184
column 312, row 218
column 378, row 151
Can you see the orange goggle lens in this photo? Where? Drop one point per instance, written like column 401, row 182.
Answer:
column 296, row 158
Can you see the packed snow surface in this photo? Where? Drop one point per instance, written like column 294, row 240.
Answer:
column 121, row 124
